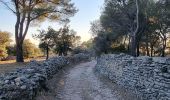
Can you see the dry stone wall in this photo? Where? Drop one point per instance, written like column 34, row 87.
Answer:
column 24, row 83
column 148, row 77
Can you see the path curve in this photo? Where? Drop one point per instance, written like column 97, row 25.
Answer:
column 80, row 83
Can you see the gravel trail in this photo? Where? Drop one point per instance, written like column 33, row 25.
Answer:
column 81, row 83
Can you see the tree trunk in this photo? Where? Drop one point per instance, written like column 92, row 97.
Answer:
column 105, row 52
column 163, row 53
column 47, row 51
column 133, row 46
column 60, row 52
column 125, row 40
column 19, row 52
column 138, row 47
column 19, row 38
column 65, row 53
column 151, row 51
column 147, row 45
column 129, row 44
column 163, row 49
column 134, row 33
column 147, row 49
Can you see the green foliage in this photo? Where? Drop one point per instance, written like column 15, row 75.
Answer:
column 46, row 40
column 11, row 49
column 78, row 50
column 148, row 34
column 42, row 46
column 76, row 41
column 35, row 11
column 3, row 51
column 4, row 42
column 102, row 44
column 30, row 50
column 65, row 40
column 61, row 42
column 96, row 27
column 118, row 49
column 88, row 44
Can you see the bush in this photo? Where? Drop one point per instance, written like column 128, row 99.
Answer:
column 30, row 50
column 3, row 52
column 118, row 49
column 8, row 58
column 4, row 42
column 78, row 50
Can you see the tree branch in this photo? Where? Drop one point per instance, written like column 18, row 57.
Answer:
column 28, row 21
column 48, row 12
column 18, row 20
column 137, row 17
column 4, row 3
column 22, row 20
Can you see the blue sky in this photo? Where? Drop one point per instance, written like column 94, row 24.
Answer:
column 89, row 10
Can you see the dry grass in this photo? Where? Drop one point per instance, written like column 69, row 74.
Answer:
column 6, row 66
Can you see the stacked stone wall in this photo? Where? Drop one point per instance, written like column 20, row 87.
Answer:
column 24, row 83
column 148, row 77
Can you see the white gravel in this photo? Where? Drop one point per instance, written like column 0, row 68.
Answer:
column 80, row 83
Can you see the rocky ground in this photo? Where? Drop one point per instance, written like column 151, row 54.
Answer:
column 81, row 83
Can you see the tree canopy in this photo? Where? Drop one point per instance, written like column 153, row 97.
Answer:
column 29, row 11
column 142, row 26
column 30, row 49
column 4, row 42
column 61, row 41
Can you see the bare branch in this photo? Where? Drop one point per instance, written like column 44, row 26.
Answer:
column 4, row 3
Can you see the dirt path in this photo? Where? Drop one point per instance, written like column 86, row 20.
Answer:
column 80, row 83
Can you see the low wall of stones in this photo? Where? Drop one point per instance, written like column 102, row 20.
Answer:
column 148, row 77
column 24, row 83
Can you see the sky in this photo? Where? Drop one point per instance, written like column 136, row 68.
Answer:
column 89, row 10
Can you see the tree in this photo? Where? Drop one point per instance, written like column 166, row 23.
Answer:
column 11, row 49
column 163, row 22
column 121, row 17
column 96, row 27
column 65, row 41
column 134, row 32
column 88, row 44
column 76, row 41
column 156, row 33
column 30, row 50
column 46, row 39
column 4, row 42
column 42, row 46
column 102, row 43
column 84, row 47
column 28, row 11
column 143, row 25
column 125, row 18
